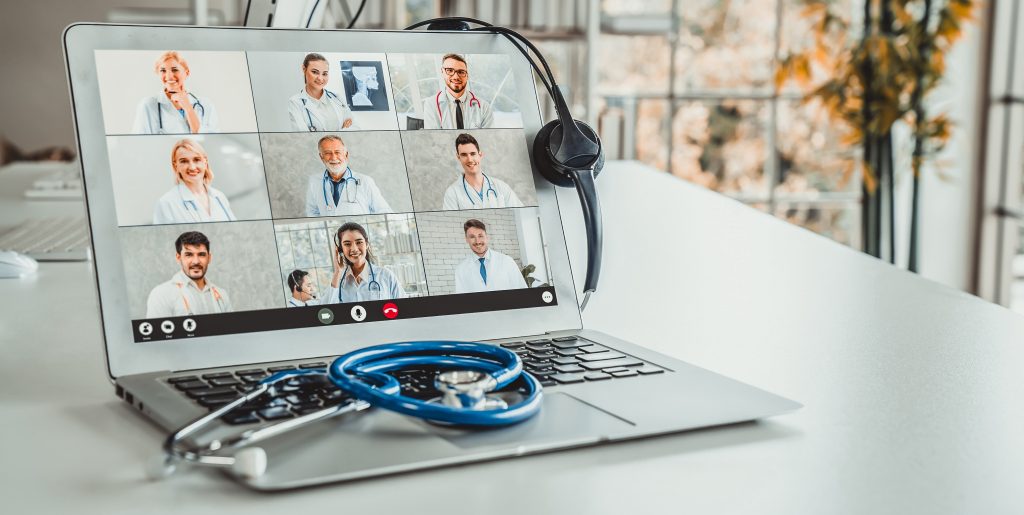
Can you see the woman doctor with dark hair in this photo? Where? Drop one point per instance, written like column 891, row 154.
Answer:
column 356, row 277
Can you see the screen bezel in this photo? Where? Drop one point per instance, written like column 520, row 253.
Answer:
column 124, row 356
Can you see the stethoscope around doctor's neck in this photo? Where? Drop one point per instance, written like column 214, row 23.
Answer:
column 193, row 207
column 196, row 105
column 373, row 286
column 335, row 104
column 437, row 101
column 483, row 194
column 346, row 193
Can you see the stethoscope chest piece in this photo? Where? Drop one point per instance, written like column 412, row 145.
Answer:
column 468, row 389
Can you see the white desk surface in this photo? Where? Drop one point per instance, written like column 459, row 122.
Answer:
column 913, row 391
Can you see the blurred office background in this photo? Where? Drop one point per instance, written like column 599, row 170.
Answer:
column 690, row 87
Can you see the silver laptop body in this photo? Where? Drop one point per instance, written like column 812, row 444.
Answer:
column 645, row 394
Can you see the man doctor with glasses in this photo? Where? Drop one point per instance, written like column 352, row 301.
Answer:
column 456, row 107
column 338, row 191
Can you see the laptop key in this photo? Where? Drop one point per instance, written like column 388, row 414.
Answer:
column 610, row 363
column 568, row 369
column 548, row 382
column 542, row 355
column 513, row 345
column 238, row 418
column 210, row 390
column 596, row 376
column 275, row 413
column 568, row 378
column 211, row 401
column 281, row 368
column 190, row 385
column 598, row 356
column 594, row 348
column 649, row 369
column 625, row 373
column 564, row 339
column 224, row 381
column 613, row 369
column 216, row 374
column 181, row 379
column 318, row 364
column 569, row 344
column 565, row 361
column 568, row 352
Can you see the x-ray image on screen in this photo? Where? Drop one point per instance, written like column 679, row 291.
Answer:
column 365, row 85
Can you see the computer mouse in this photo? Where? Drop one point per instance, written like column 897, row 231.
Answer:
column 13, row 264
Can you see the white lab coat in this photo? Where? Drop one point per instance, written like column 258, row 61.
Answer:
column 296, row 303
column 502, row 273
column 439, row 111
column 326, row 114
column 350, row 291
column 179, row 206
column 157, row 115
column 359, row 197
column 495, row 194
column 180, row 297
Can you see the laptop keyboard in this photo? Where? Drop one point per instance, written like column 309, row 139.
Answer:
column 564, row 360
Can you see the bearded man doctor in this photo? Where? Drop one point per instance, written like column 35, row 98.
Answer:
column 189, row 291
column 485, row 269
column 474, row 189
column 338, row 191
column 456, row 106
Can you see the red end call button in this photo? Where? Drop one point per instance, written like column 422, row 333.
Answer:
column 390, row 310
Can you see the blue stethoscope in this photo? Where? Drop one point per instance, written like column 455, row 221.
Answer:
column 468, row 373
column 345, row 191
column 373, row 286
column 197, row 105
column 483, row 194
column 337, row 110
column 190, row 205
column 437, row 101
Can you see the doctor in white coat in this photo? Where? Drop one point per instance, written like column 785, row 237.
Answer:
column 456, row 106
column 485, row 269
column 189, row 291
column 338, row 191
column 175, row 110
column 474, row 189
column 356, row 277
column 192, row 199
column 315, row 108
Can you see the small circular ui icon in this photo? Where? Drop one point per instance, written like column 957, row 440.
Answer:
column 189, row 325
column 167, row 326
column 325, row 316
column 145, row 329
column 390, row 310
column 358, row 313
column 547, row 297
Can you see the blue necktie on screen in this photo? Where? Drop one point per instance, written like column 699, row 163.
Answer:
column 337, row 190
column 483, row 270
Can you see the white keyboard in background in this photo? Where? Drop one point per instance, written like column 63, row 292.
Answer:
column 63, row 238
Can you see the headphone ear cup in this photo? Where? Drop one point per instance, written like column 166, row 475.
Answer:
column 543, row 158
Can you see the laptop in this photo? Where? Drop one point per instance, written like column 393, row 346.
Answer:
column 220, row 177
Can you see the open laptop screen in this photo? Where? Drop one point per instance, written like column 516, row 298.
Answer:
column 261, row 190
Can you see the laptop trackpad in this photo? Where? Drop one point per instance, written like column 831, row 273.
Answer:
column 563, row 420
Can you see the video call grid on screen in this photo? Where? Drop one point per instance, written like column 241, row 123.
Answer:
column 251, row 139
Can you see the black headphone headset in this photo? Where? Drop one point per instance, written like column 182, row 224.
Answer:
column 566, row 151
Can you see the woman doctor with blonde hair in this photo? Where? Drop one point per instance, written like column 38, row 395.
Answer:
column 175, row 110
column 192, row 199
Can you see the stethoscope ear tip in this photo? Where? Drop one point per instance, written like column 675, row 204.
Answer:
column 160, row 466
column 250, row 463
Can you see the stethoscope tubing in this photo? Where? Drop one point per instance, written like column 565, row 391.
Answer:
column 489, row 191
column 437, row 101
column 344, row 187
column 195, row 105
column 334, row 105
